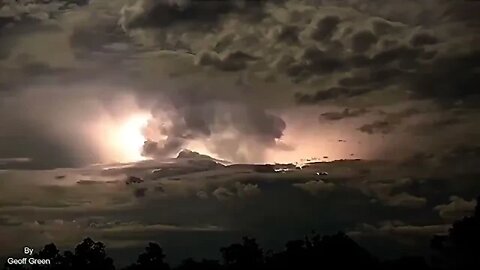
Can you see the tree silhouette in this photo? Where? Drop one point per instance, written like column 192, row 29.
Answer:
column 52, row 253
column 340, row 251
column 88, row 255
column 247, row 255
column 460, row 249
column 296, row 255
column 151, row 259
column 330, row 252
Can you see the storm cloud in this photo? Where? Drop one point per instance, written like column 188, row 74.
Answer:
column 208, row 120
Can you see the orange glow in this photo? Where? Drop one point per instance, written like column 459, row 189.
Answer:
column 128, row 137
column 122, row 139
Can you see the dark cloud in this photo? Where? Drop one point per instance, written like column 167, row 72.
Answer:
column 34, row 147
column 444, row 79
column 463, row 12
column 448, row 79
column 462, row 156
column 409, row 12
column 383, row 127
column 386, row 49
column 314, row 61
column 140, row 192
column 362, row 41
column 402, row 114
column 230, row 61
column 329, row 94
column 91, row 39
column 383, row 27
column 288, row 34
column 18, row 12
column 459, row 159
column 428, row 127
column 315, row 187
column 222, row 193
column 422, row 39
column 5, row 21
column 390, row 121
column 346, row 113
column 89, row 182
column 203, row 118
column 404, row 200
column 396, row 55
column 39, row 69
column 400, row 230
column 9, row 221
column 166, row 13
column 167, row 148
column 325, row 28
column 385, row 68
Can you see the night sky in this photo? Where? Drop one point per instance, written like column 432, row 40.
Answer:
column 132, row 121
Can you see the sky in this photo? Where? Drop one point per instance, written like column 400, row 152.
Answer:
column 381, row 95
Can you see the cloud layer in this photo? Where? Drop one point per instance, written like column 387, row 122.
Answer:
column 365, row 111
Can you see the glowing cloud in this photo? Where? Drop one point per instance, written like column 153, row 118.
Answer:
column 119, row 132
column 128, row 137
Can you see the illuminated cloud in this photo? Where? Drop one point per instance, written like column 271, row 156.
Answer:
column 457, row 208
column 174, row 94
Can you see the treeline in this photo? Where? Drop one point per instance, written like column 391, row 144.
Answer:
column 459, row 250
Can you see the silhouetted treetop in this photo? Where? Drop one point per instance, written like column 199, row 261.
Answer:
column 89, row 255
column 52, row 253
column 151, row 259
column 247, row 255
column 336, row 251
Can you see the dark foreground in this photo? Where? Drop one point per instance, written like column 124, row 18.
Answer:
column 459, row 249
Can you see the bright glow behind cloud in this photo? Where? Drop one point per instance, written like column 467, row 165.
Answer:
column 119, row 131
column 128, row 137
column 121, row 139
